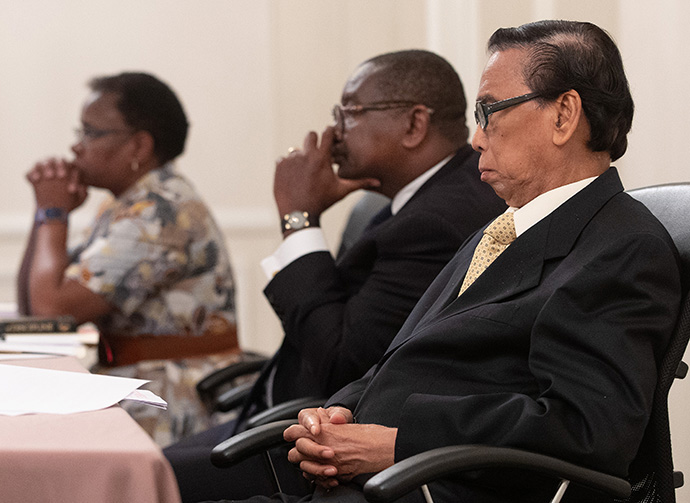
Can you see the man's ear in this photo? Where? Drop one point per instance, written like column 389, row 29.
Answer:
column 419, row 119
column 568, row 117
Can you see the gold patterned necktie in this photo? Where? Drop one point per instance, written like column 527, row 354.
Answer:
column 496, row 238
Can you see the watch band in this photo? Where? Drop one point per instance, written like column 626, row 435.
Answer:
column 52, row 214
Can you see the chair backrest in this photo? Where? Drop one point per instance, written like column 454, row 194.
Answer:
column 652, row 471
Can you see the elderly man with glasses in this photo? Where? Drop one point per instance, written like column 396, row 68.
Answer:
column 554, row 347
column 399, row 130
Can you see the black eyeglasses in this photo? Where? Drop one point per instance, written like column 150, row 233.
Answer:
column 340, row 112
column 482, row 111
column 86, row 134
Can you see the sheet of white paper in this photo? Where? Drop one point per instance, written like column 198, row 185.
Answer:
column 23, row 356
column 27, row 390
column 78, row 351
column 147, row 397
column 54, row 344
column 71, row 339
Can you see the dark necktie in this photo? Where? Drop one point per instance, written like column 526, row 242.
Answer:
column 380, row 217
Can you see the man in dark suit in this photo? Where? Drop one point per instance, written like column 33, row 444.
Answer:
column 400, row 130
column 555, row 347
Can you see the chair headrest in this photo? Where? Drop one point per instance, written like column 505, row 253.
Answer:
column 670, row 203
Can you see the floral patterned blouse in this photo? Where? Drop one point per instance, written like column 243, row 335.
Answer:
column 156, row 254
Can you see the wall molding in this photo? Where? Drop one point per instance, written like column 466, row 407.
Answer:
column 230, row 219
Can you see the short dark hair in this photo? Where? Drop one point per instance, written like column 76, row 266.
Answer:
column 565, row 55
column 147, row 104
column 427, row 78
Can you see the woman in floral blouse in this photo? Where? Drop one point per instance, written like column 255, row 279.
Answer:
column 153, row 272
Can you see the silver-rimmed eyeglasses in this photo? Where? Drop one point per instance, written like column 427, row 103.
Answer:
column 341, row 112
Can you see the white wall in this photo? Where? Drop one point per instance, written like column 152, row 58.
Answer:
column 255, row 75
column 216, row 54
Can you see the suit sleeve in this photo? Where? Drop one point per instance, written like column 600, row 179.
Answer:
column 350, row 395
column 592, row 353
column 335, row 333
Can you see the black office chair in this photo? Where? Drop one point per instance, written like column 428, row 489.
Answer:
column 226, row 389
column 361, row 214
column 651, row 480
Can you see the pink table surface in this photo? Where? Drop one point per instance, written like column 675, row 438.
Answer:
column 99, row 456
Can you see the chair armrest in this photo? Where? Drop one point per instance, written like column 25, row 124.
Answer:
column 415, row 471
column 249, row 443
column 234, row 397
column 285, row 410
column 221, row 376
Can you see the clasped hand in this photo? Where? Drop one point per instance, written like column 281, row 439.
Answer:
column 57, row 184
column 305, row 181
column 330, row 448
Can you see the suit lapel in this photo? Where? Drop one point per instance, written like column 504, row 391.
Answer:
column 517, row 269
column 358, row 259
column 441, row 176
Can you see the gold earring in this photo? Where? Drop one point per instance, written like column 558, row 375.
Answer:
column 135, row 165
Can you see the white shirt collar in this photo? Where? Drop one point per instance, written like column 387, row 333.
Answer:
column 544, row 204
column 409, row 190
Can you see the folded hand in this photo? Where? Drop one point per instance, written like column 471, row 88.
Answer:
column 330, row 449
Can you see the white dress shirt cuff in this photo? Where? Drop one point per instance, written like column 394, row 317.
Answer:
column 294, row 246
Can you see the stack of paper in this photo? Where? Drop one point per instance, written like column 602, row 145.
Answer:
column 51, row 344
column 28, row 390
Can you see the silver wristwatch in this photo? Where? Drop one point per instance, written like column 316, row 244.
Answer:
column 295, row 220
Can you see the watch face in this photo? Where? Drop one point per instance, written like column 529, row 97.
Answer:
column 296, row 220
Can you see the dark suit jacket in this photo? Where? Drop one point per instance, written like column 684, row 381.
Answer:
column 339, row 317
column 553, row 349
